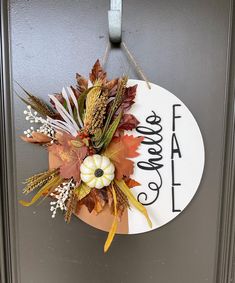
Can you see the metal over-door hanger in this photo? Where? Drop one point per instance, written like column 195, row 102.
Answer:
column 115, row 37
column 115, row 21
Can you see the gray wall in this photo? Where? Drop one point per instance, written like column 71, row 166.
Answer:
column 182, row 46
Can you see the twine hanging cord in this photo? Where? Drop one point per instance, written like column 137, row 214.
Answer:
column 130, row 57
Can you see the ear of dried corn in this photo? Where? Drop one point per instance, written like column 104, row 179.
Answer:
column 91, row 100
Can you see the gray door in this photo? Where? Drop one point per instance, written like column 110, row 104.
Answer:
column 182, row 46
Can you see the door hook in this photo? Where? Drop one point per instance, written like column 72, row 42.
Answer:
column 115, row 21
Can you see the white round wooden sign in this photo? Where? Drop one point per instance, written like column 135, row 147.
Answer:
column 171, row 160
column 170, row 165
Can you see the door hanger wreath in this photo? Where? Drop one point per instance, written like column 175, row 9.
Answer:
column 85, row 131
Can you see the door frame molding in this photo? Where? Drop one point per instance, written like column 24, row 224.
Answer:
column 9, row 271
column 8, row 225
column 226, row 241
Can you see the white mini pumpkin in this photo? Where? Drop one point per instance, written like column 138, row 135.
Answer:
column 97, row 171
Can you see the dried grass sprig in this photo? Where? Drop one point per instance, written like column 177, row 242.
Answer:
column 34, row 177
column 121, row 198
column 126, row 190
column 71, row 205
column 48, row 187
column 116, row 102
column 36, row 103
column 102, row 141
column 39, row 180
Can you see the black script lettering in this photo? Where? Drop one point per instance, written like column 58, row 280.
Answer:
column 152, row 138
column 153, row 187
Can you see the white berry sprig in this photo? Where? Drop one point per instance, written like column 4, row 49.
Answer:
column 31, row 116
column 45, row 128
column 61, row 194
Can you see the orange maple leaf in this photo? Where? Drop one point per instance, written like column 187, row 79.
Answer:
column 119, row 150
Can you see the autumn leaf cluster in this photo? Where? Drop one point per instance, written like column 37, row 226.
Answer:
column 84, row 120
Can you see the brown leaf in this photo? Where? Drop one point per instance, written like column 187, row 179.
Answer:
column 69, row 156
column 97, row 73
column 127, row 100
column 60, row 97
column 37, row 138
column 112, row 86
column 82, row 83
column 88, row 201
column 128, row 122
column 76, row 93
column 128, row 97
column 100, row 199
column 95, row 200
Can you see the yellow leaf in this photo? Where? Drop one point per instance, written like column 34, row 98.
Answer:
column 82, row 191
column 53, row 182
column 77, row 143
column 113, row 228
column 51, row 190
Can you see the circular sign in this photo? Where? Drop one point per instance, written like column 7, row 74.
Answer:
column 169, row 167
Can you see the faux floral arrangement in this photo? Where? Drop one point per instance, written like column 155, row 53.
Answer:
column 84, row 128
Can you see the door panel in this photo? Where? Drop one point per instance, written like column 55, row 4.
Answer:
column 182, row 46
